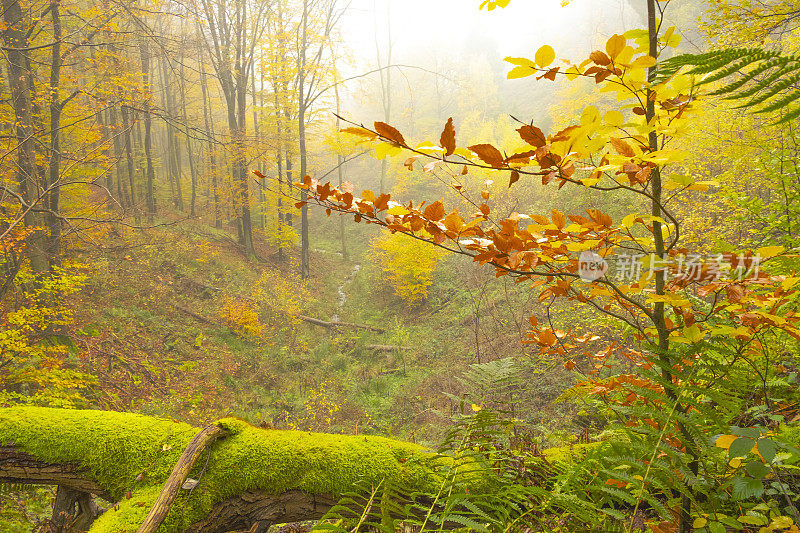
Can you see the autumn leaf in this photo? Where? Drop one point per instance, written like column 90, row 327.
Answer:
column 514, row 178
column 434, row 211
column 544, row 56
column 600, row 58
column 532, row 135
column 448, row 138
column 488, row 154
column 569, row 365
column 361, row 132
column 389, row 132
column 559, row 219
column 615, row 45
column 622, row 147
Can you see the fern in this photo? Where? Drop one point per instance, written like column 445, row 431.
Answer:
column 767, row 80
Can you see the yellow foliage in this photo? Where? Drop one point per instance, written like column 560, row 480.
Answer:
column 408, row 263
column 242, row 317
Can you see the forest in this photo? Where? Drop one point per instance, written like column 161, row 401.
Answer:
column 348, row 266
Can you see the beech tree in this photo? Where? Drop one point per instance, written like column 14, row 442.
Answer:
column 687, row 317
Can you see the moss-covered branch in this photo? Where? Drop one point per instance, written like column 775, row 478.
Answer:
column 252, row 470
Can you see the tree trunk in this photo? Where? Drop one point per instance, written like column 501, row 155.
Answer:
column 20, row 79
column 209, row 124
column 150, row 199
column 53, row 221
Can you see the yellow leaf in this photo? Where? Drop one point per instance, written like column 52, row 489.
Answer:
column 769, row 251
column 398, row 210
column 615, row 45
column 614, row 118
column 643, row 62
column 476, row 407
column 693, row 333
column 699, row 522
column 629, row 220
column 725, row 441
column 590, row 115
column 385, row 149
column 782, row 522
column 545, row 55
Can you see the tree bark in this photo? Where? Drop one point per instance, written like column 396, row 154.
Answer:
column 15, row 38
column 188, row 458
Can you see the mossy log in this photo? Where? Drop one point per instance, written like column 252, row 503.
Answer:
column 251, row 478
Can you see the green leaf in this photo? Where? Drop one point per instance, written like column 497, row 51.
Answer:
column 740, row 447
column 767, row 449
column 744, row 488
column 716, row 527
column 757, row 469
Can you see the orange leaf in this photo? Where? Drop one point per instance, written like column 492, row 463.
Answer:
column 559, row 219
column 435, row 211
column 464, row 170
column 514, row 178
column 454, row 222
column 489, row 154
column 389, row 132
column 599, row 57
column 622, row 147
column 448, row 138
column 532, row 135
column 409, row 164
column 569, row 365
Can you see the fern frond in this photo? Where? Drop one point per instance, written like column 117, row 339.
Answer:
column 767, row 79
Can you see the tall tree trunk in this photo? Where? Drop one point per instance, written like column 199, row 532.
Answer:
column 118, row 171
column 305, row 260
column 150, row 199
column 53, row 221
column 127, row 126
column 27, row 173
column 192, row 172
column 212, row 163
column 339, row 165
column 172, row 148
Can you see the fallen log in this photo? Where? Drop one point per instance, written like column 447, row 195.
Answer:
column 333, row 325
column 386, row 347
column 252, row 478
column 179, row 474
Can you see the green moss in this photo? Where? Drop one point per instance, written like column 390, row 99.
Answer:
column 116, row 447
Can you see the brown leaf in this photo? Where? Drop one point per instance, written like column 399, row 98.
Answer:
column 485, row 194
column 409, row 164
column 454, row 222
column 389, row 132
column 600, row 58
column 488, row 154
column 559, row 219
column 448, row 138
column 435, row 211
column 464, row 170
column 514, row 178
column 532, row 135
column 550, row 74
column 735, row 292
column 622, row 147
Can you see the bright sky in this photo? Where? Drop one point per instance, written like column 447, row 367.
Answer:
column 447, row 24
